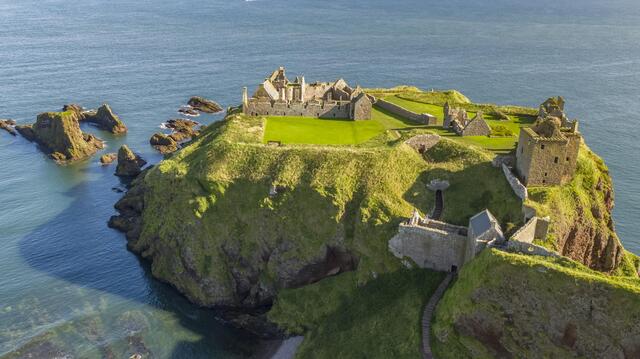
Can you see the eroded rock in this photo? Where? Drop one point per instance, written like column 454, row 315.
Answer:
column 129, row 164
column 108, row 158
column 163, row 143
column 60, row 136
column 8, row 125
column 204, row 105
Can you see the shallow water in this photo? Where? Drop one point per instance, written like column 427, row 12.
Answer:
column 64, row 272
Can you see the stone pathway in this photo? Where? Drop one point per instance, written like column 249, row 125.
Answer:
column 427, row 315
column 437, row 211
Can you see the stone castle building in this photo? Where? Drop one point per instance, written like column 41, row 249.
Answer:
column 457, row 119
column 277, row 96
column 547, row 152
column 442, row 246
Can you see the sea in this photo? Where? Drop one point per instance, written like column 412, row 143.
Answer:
column 68, row 281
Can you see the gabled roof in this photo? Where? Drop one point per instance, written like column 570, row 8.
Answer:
column 482, row 222
column 271, row 91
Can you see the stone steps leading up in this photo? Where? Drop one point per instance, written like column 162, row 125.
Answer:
column 427, row 315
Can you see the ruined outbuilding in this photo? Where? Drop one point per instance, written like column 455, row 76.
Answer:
column 458, row 120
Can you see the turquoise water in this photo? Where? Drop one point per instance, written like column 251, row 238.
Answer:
column 67, row 278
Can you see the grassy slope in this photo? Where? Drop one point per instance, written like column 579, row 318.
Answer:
column 497, row 282
column 221, row 181
column 343, row 320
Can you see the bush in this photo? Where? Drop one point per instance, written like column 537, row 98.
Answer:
column 501, row 131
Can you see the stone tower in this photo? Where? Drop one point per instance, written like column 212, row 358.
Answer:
column 245, row 99
column 547, row 153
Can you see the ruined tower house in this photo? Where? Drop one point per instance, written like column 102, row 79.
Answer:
column 547, row 153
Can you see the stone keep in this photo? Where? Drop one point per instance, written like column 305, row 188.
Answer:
column 547, row 153
column 277, row 96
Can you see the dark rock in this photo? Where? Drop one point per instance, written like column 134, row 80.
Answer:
column 188, row 111
column 204, row 105
column 163, row 143
column 108, row 158
column 7, row 125
column 59, row 134
column 183, row 129
column 129, row 164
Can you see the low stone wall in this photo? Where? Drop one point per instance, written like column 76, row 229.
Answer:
column 423, row 118
column 423, row 143
column 518, row 188
column 529, row 248
column 434, row 248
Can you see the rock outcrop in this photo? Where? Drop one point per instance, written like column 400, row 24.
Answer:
column 515, row 306
column 129, row 164
column 163, row 143
column 59, row 134
column 103, row 118
column 204, row 105
column 108, row 158
column 8, row 125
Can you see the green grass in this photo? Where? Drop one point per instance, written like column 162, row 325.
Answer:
column 341, row 319
column 308, row 130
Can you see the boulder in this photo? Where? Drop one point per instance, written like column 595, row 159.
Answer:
column 129, row 164
column 8, row 125
column 204, row 105
column 182, row 129
column 108, row 158
column 59, row 134
column 163, row 143
column 188, row 111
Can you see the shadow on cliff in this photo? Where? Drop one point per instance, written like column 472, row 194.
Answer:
column 77, row 247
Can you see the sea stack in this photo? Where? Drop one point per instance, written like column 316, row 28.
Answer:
column 129, row 164
column 60, row 135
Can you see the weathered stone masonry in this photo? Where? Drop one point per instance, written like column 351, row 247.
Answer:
column 277, row 96
column 423, row 118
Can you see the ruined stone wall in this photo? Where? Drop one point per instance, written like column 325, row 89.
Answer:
column 423, row 118
column 518, row 188
column 431, row 248
column 323, row 110
column 526, row 233
column 529, row 248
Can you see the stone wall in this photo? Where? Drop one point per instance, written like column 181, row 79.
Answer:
column 528, row 248
column 333, row 109
column 518, row 188
column 526, row 233
column 423, row 118
column 439, row 246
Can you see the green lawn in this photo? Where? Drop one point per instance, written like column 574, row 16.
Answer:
column 310, row 130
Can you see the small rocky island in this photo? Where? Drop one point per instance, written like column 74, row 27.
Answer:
column 59, row 135
column 295, row 230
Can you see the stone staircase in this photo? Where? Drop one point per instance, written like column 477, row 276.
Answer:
column 439, row 206
column 427, row 315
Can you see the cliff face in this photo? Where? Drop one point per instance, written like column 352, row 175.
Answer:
column 512, row 306
column 60, row 134
column 583, row 228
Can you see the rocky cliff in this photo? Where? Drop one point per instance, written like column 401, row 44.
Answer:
column 59, row 134
column 514, row 306
column 582, row 224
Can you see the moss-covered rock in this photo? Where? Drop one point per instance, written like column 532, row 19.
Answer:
column 510, row 305
column 59, row 134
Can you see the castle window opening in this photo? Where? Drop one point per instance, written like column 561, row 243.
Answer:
column 545, row 174
column 567, row 159
column 542, row 147
column 555, row 160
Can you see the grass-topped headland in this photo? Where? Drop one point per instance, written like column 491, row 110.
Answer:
column 300, row 231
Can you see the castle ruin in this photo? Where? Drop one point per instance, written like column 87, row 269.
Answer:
column 457, row 119
column 277, row 96
column 547, row 152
